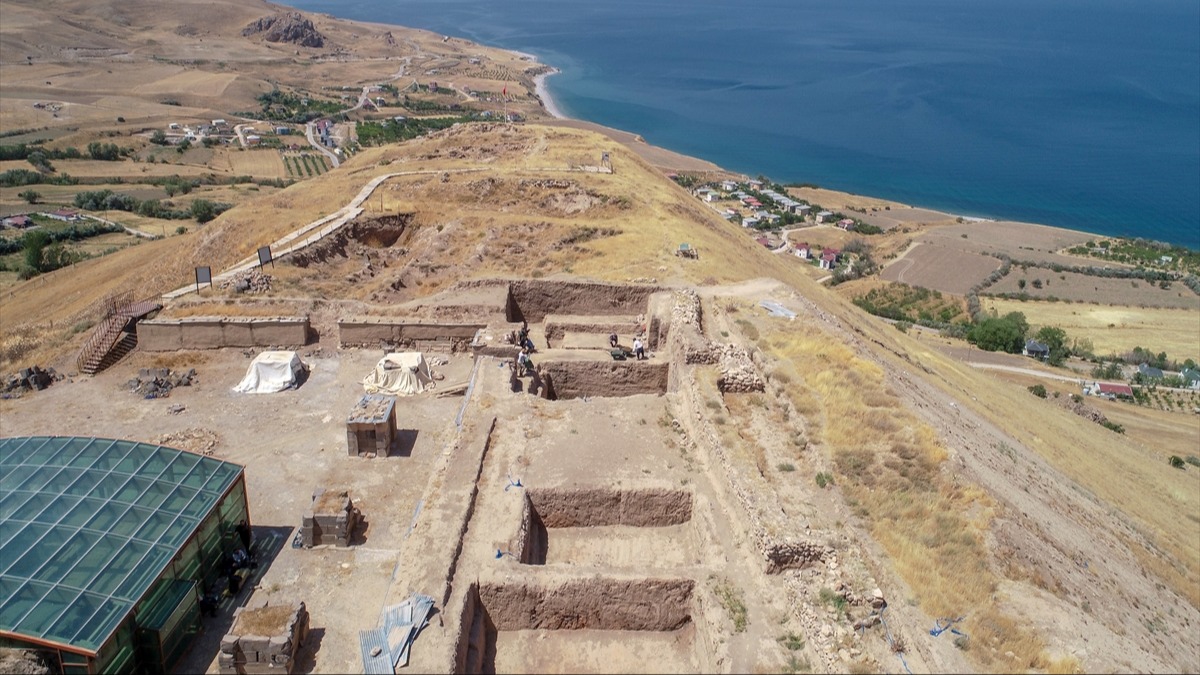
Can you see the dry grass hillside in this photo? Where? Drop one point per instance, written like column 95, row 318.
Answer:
column 1063, row 545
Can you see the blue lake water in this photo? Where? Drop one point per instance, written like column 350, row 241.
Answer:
column 1078, row 113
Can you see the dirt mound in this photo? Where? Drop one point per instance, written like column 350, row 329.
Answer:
column 291, row 27
column 197, row 440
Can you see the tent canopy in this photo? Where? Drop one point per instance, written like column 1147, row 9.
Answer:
column 270, row 372
column 399, row 374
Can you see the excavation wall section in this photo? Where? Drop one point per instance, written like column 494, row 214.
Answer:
column 420, row 336
column 596, row 603
column 164, row 335
column 576, row 379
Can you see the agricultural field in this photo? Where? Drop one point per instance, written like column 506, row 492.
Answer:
column 1019, row 241
column 304, row 165
column 258, row 163
column 1040, row 283
column 941, row 268
column 1114, row 330
column 908, row 303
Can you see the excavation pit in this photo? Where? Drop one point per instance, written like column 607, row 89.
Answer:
column 602, row 527
column 554, row 627
column 567, row 379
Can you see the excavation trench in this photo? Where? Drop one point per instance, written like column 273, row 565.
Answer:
column 561, row 380
column 355, row 239
column 595, row 604
column 548, row 509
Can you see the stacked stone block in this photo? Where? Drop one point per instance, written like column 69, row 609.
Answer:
column 331, row 521
column 246, row 653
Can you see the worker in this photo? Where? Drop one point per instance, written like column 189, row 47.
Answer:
column 638, row 349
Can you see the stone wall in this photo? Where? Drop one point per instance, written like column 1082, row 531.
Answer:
column 331, row 521
column 590, row 604
column 165, row 335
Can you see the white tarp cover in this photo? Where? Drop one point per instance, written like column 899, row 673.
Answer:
column 270, row 372
column 399, row 374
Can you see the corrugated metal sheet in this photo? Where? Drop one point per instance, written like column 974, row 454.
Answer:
column 368, row 641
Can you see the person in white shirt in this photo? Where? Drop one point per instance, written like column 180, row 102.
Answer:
column 638, row 350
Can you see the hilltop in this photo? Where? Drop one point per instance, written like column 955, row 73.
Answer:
column 794, row 465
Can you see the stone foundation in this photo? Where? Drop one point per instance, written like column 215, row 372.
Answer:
column 331, row 521
column 263, row 640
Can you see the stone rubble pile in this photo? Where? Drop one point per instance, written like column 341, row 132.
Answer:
column 158, row 382
column 30, row 379
column 253, row 280
column 738, row 373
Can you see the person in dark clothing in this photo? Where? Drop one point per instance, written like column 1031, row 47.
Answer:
column 243, row 531
column 612, row 340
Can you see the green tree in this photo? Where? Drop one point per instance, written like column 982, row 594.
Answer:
column 35, row 249
column 1056, row 339
column 995, row 334
column 31, row 196
column 158, row 137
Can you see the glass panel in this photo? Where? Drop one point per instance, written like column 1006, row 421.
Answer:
column 178, row 500
column 156, row 460
column 61, row 562
column 105, row 516
column 22, row 601
column 139, row 579
column 132, row 461
column 62, row 480
column 132, row 489
column 18, row 545
column 39, row 477
column 153, row 495
column 67, row 451
column 89, row 453
column 13, row 452
column 94, row 563
column 178, row 532
column 34, row 505
column 110, row 456
column 78, row 516
column 100, row 624
column 27, row 564
column 129, row 523
column 71, row 622
column 156, row 524
column 180, row 467
column 105, row 486
column 8, row 588
column 121, row 565
column 43, row 616
column 14, row 476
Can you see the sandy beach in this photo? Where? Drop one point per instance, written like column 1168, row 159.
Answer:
column 543, row 94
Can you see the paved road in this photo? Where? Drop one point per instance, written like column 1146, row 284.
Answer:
column 308, row 132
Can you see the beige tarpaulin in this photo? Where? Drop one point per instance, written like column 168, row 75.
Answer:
column 270, row 372
column 400, row 374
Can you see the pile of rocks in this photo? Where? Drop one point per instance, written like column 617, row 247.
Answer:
column 158, row 382
column 253, row 280
column 29, row 379
column 788, row 554
column 738, row 373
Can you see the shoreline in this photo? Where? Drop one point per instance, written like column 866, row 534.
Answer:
column 543, row 93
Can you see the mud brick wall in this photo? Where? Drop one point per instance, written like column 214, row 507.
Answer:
column 557, row 326
column 575, row 379
column 371, row 332
column 165, row 335
column 252, row 654
column 595, row 604
column 559, row 507
column 532, row 299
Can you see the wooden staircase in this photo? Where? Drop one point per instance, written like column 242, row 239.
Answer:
column 116, row 334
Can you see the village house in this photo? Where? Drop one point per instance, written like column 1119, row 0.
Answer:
column 824, row 217
column 1109, row 390
column 801, row 209
column 65, row 215
column 802, row 250
column 1035, row 349
column 253, row 139
column 846, row 224
column 728, row 185
column 219, row 123
column 1190, row 377
column 829, row 258
column 19, row 222
column 749, row 221
column 1150, row 372
column 755, row 184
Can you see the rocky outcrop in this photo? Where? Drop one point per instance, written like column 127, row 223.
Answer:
column 291, row 27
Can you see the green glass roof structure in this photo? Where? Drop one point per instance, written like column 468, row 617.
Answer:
column 88, row 524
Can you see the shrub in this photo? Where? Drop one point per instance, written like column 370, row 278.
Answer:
column 1176, row 462
column 1038, row 391
column 786, row 467
column 1113, row 426
column 824, row 479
